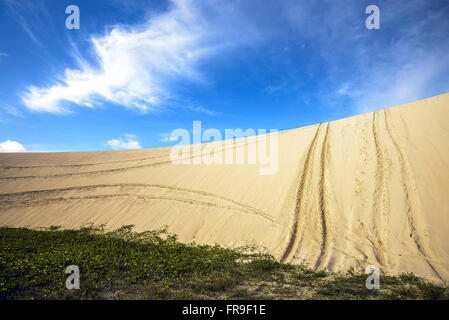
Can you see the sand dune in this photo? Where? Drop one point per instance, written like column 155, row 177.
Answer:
column 366, row 190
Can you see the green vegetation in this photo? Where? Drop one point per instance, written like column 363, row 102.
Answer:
column 123, row 264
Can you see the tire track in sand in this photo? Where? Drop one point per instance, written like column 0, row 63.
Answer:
column 32, row 194
column 325, row 232
column 293, row 239
column 122, row 195
column 76, row 165
column 381, row 205
column 411, row 197
column 192, row 155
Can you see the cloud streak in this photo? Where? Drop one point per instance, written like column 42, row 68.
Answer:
column 135, row 65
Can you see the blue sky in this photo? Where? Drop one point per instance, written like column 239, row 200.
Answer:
column 136, row 70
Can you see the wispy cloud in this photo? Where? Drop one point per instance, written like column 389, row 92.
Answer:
column 135, row 64
column 129, row 142
column 271, row 89
column 13, row 111
column 344, row 89
column 378, row 68
column 19, row 10
column 166, row 137
column 200, row 109
column 11, row 146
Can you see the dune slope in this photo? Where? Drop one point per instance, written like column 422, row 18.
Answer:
column 366, row 190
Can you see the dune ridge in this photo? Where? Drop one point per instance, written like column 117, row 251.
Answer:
column 365, row 190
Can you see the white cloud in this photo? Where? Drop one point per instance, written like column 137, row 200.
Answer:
column 11, row 146
column 130, row 142
column 3, row 54
column 136, row 64
column 166, row 137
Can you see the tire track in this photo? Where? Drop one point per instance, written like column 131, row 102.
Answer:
column 411, row 197
column 299, row 198
column 83, row 164
column 236, row 145
column 325, row 232
column 246, row 208
column 381, row 203
column 191, row 156
column 127, row 195
column 84, row 173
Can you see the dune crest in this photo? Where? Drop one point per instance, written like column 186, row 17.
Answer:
column 365, row 190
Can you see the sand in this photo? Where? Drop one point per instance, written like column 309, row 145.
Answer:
column 365, row 190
